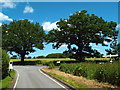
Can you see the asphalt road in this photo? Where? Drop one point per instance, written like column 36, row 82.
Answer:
column 31, row 77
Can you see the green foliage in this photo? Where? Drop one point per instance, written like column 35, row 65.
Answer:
column 51, row 65
column 5, row 63
column 28, row 57
column 6, row 82
column 114, row 48
column 21, row 36
column 108, row 72
column 56, row 55
column 37, row 62
column 40, row 57
column 79, row 31
column 79, row 71
column 118, row 49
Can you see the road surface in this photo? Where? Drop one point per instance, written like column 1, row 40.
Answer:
column 31, row 77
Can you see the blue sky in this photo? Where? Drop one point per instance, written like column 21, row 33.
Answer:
column 48, row 13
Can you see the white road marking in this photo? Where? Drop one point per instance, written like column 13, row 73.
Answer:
column 16, row 79
column 52, row 79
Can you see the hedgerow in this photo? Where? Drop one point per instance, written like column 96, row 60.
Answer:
column 107, row 72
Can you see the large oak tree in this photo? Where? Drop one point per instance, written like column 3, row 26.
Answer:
column 81, row 29
column 22, row 36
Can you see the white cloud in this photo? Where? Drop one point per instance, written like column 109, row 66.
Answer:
column 4, row 17
column 7, row 4
column 28, row 9
column 106, row 42
column 30, row 20
column 118, row 26
column 64, row 45
column 91, row 44
column 49, row 26
column 0, row 24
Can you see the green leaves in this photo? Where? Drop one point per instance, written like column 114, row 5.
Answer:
column 21, row 36
column 80, row 30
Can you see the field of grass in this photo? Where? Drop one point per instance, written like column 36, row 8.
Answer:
column 101, row 59
column 46, row 59
column 7, row 81
column 62, row 59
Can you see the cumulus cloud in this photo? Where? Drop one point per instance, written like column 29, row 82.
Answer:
column 28, row 9
column 49, row 26
column 64, row 45
column 118, row 26
column 30, row 20
column 106, row 42
column 7, row 4
column 0, row 24
column 4, row 17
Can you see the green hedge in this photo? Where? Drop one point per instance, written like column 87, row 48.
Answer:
column 107, row 72
column 5, row 63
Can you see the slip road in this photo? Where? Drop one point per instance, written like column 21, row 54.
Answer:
column 31, row 77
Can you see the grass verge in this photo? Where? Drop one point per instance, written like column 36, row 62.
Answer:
column 68, row 80
column 6, row 82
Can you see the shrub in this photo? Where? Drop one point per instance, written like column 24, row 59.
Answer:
column 108, row 72
column 5, row 63
column 51, row 65
column 80, row 72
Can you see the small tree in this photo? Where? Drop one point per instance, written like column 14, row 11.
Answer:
column 21, row 36
column 5, row 63
column 79, row 31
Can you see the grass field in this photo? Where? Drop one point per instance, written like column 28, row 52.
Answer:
column 60, row 59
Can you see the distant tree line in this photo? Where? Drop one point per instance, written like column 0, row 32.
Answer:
column 59, row 55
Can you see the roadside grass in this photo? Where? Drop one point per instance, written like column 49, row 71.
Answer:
column 69, row 81
column 6, row 82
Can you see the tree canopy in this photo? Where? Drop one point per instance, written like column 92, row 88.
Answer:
column 81, row 29
column 22, row 36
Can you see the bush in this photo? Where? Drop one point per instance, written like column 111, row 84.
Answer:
column 80, row 72
column 5, row 63
column 51, row 65
column 108, row 72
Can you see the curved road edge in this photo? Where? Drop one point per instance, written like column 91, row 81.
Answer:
column 66, row 84
column 15, row 80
